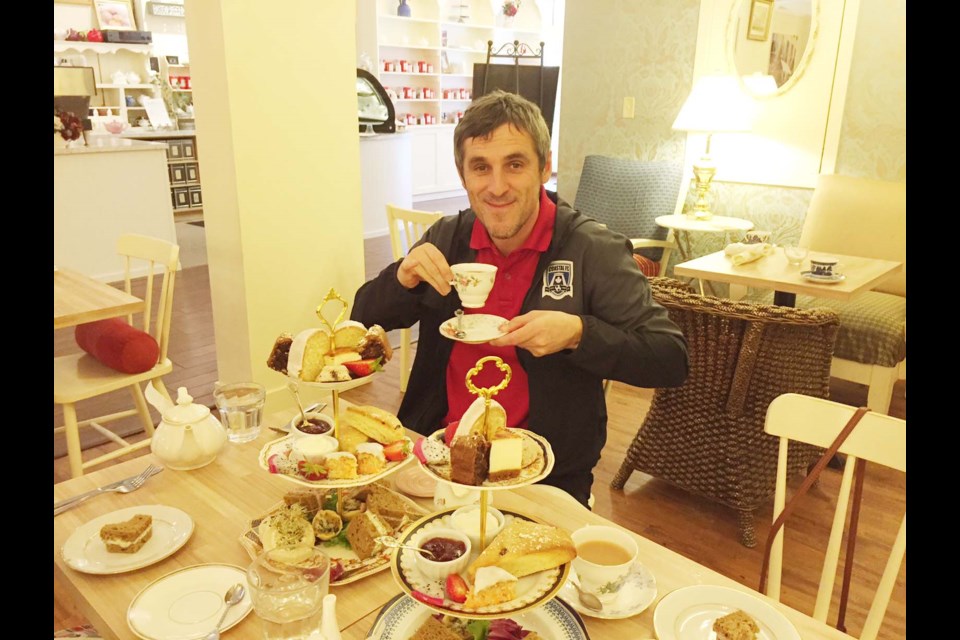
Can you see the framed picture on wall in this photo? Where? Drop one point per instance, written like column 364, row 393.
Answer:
column 758, row 27
column 173, row 60
column 115, row 14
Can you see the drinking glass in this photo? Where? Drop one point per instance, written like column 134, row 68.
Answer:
column 241, row 409
column 795, row 255
column 287, row 587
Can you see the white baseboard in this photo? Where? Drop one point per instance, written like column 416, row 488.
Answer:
column 438, row 195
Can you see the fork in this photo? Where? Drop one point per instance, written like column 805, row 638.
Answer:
column 126, row 486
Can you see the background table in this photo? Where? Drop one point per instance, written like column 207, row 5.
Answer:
column 773, row 272
column 225, row 495
column 78, row 299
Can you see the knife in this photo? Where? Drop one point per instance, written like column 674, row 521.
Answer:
column 106, row 487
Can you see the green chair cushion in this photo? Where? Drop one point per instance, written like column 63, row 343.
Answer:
column 873, row 325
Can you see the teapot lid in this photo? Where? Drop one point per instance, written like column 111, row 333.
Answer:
column 185, row 411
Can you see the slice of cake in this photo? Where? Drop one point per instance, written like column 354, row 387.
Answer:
column 348, row 334
column 506, row 455
column 374, row 344
column 341, row 355
column 469, row 459
column 341, row 465
column 492, row 585
column 363, row 531
column 377, row 424
column 736, row 626
column 305, row 358
column 387, row 504
column 280, row 353
column 128, row 536
column 370, row 458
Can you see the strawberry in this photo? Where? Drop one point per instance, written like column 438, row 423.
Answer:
column 396, row 451
column 450, row 431
column 363, row 368
column 456, row 588
column 336, row 570
column 311, row 470
column 431, row 600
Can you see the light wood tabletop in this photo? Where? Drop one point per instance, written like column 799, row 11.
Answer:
column 78, row 299
column 225, row 495
column 773, row 272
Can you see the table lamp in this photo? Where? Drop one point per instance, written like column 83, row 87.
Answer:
column 716, row 104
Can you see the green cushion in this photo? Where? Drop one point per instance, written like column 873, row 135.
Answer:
column 873, row 325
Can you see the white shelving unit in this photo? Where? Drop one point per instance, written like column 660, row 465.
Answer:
column 404, row 49
column 115, row 99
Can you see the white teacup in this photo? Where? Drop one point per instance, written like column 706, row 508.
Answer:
column 823, row 266
column 756, row 237
column 473, row 281
column 604, row 558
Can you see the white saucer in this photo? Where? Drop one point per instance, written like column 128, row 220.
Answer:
column 689, row 613
column 479, row 327
column 186, row 604
column 84, row 550
column 413, row 481
column 831, row 279
column 639, row 590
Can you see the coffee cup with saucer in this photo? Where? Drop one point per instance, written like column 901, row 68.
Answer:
column 823, row 269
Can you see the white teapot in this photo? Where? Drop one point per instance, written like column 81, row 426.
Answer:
column 188, row 437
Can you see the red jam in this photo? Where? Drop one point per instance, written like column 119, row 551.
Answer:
column 314, row 426
column 443, row 549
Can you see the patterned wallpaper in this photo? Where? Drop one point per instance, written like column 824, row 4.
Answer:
column 645, row 48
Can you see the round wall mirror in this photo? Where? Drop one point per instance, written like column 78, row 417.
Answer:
column 769, row 42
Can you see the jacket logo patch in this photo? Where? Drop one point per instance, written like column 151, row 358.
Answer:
column 558, row 280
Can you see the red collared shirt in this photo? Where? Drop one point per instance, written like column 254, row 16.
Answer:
column 514, row 276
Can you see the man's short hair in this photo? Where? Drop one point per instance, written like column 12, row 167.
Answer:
column 489, row 112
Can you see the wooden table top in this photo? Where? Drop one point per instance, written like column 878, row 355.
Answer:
column 773, row 272
column 225, row 495
column 78, row 299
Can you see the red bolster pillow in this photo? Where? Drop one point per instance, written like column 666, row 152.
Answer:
column 647, row 266
column 118, row 345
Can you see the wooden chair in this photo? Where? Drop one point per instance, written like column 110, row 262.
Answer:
column 878, row 439
column 79, row 376
column 627, row 195
column 407, row 226
column 706, row 436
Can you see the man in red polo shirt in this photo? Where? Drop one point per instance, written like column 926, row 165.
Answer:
column 579, row 310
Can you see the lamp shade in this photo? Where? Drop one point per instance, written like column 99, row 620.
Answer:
column 716, row 104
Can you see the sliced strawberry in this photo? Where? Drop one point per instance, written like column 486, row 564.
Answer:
column 396, row 451
column 311, row 470
column 450, row 431
column 431, row 600
column 272, row 463
column 363, row 368
column 336, row 570
column 456, row 588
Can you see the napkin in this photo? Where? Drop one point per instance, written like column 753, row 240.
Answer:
column 740, row 253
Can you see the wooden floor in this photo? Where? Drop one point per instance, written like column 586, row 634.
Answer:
column 692, row 526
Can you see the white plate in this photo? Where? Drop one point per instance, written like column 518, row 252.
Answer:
column 479, row 327
column 284, row 445
column 186, row 604
column 689, row 613
column 85, row 552
column 532, row 591
column 812, row 277
column 400, row 618
column 638, row 592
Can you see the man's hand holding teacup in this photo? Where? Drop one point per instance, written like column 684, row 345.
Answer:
column 425, row 263
column 541, row 332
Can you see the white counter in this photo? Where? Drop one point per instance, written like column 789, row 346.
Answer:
column 111, row 187
column 385, row 160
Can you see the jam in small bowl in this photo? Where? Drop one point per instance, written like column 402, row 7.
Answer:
column 452, row 548
column 317, row 424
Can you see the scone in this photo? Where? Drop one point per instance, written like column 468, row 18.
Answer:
column 524, row 547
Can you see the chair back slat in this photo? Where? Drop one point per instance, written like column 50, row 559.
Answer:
column 158, row 255
column 878, row 439
column 407, row 226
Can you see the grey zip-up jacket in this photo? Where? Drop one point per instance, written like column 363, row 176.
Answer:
column 587, row 271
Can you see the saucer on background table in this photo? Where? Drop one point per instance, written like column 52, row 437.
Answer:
column 84, row 551
column 415, row 482
column 187, row 603
column 831, row 279
column 479, row 327
column 639, row 590
column 688, row 613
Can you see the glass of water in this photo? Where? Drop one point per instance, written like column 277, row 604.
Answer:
column 795, row 255
column 287, row 587
column 241, row 409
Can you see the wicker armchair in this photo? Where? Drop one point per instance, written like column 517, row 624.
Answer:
column 707, row 436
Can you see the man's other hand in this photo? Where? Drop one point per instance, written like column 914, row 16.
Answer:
column 541, row 332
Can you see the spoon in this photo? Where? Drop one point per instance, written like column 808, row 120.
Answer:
column 460, row 334
column 233, row 595
column 588, row 600
column 387, row 541
column 296, row 394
